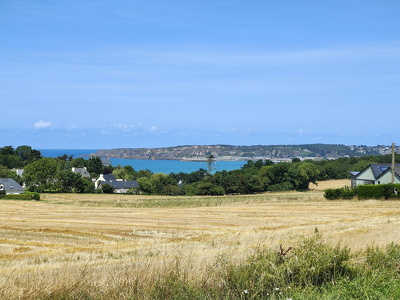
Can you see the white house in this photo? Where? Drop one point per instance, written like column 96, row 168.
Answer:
column 376, row 174
column 10, row 186
column 120, row 186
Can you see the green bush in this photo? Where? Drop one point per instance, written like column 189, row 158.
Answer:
column 107, row 188
column 391, row 191
column 341, row 193
column 33, row 195
column 370, row 192
column 25, row 196
column 332, row 194
column 16, row 197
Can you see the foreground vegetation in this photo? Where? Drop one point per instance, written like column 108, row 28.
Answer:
column 310, row 269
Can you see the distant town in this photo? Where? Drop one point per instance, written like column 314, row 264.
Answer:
column 256, row 152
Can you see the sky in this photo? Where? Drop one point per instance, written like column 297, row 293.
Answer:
column 102, row 74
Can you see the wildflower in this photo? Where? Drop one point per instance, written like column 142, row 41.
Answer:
column 245, row 292
column 276, row 289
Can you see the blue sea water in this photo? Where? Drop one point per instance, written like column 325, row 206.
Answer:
column 156, row 166
column 60, row 152
column 176, row 166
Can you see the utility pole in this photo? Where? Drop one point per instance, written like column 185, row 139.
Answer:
column 393, row 158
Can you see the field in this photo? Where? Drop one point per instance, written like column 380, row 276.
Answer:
column 68, row 238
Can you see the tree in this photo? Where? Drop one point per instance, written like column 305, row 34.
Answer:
column 159, row 181
column 126, row 172
column 7, row 150
column 85, row 185
column 79, row 162
column 69, row 181
column 7, row 173
column 27, row 154
column 144, row 173
column 94, row 165
column 107, row 188
column 41, row 174
column 24, row 152
column 145, row 185
column 301, row 174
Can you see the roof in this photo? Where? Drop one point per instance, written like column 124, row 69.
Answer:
column 389, row 170
column 105, row 161
column 9, row 184
column 109, row 177
column 122, row 184
column 378, row 169
column 83, row 171
column 354, row 173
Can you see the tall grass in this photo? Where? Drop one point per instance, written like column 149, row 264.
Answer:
column 310, row 270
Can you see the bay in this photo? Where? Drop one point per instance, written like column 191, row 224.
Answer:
column 156, row 166
column 176, row 166
column 60, row 152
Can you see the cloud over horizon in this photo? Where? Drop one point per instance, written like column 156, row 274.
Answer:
column 42, row 124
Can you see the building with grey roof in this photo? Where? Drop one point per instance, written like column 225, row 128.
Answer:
column 376, row 174
column 120, row 186
column 83, row 171
column 10, row 186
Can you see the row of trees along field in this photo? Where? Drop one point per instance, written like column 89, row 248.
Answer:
column 55, row 174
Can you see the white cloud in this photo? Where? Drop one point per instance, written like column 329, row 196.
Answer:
column 72, row 128
column 42, row 124
column 128, row 127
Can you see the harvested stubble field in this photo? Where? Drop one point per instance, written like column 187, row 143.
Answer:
column 50, row 243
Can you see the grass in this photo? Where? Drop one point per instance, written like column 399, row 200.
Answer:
column 312, row 269
column 70, row 246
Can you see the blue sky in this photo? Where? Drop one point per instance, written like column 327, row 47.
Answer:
column 109, row 74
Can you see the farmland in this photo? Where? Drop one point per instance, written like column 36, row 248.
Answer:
column 49, row 244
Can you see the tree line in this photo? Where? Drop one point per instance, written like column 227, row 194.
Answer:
column 55, row 174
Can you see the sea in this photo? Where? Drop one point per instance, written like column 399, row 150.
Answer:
column 156, row 166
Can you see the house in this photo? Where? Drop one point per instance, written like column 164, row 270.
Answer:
column 106, row 161
column 10, row 186
column 19, row 172
column 376, row 174
column 120, row 186
column 83, row 171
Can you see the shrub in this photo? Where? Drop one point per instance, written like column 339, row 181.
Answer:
column 33, row 195
column 17, row 197
column 370, row 192
column 381, row 259
column 332, row 194
column 342, row 193
column 107, row 188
